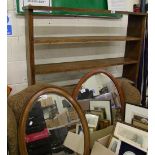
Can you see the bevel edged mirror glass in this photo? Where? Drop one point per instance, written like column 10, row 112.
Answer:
column 99, row 94
column 50, row 121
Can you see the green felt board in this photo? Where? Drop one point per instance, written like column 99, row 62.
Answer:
column 86, row 4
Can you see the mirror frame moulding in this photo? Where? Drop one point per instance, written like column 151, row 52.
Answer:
column 116, row 83
column 61, row 92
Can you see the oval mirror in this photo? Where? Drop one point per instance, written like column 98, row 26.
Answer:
column 52, row 123
column 101, row 98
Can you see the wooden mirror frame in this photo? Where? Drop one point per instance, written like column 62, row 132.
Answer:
column 98, row 71
column 25, row 113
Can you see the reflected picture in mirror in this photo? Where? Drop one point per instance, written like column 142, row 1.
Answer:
column 51, row 124
column 100, row 90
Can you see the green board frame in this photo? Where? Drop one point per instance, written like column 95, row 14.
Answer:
column 84, row 4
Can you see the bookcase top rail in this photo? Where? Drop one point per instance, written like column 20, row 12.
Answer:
column 46, row 8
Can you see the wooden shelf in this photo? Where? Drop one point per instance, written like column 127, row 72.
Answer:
column 81, row 65
column 133, row 40
column 82, row 39
column 79, row 10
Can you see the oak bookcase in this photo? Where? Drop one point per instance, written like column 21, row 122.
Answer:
column 130, row 61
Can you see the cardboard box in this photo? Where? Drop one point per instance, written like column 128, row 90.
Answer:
column 45, row 102
column 75, row 142
column 52, row 123
column 63, row 118
column 105, row 140
column 99, row 139
column 99, row 149
column 96, row 135
column 126, row 134
column 101, row 146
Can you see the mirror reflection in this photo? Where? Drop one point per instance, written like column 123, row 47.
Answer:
column 100, row 100
column 51, row 123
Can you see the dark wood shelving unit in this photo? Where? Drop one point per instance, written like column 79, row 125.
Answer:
column 130, row 61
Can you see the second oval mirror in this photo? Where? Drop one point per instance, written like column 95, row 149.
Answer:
column 101, row 98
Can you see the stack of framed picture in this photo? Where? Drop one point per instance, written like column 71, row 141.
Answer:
column 128, row 140
column 129, row 137
column 99, row 115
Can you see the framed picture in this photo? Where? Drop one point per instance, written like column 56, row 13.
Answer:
column 131, row 135
column 21, row 3
column 132, row 110
column 103, row 111
column 92, row 120
column 114, row 145
column 102, row 104
column 127, row 149
column 140, row 122
column 142, row 119
column 98, row 113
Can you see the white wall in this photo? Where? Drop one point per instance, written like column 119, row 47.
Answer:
column 17, row 71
